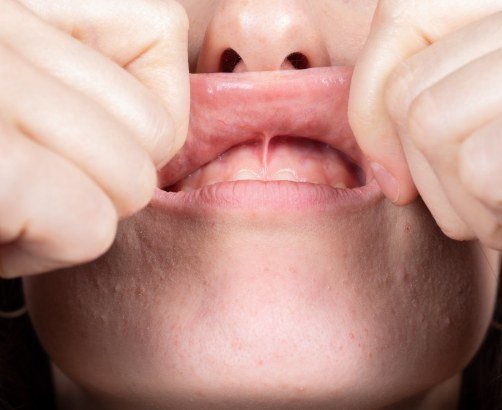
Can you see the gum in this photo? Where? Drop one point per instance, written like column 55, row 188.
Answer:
column 282, row 158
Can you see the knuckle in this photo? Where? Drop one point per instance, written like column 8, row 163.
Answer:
column 422, row 123
column 178, row 15
column 169, row 15
column 391, row 11
column 480, row 176
column 450, row 223
column 95, row 238
column 456, row 231
column 491, row 197
column 491, row 234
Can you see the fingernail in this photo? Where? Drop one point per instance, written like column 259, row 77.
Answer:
column 387, row 182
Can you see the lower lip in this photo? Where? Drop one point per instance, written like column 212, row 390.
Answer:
column 268, row 196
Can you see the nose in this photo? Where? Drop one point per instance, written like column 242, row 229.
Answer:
column 262, row 35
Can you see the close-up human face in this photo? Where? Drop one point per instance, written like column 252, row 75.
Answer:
column 298, row 286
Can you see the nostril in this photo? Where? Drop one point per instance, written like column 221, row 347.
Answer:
column 229, row 60
column 299, row 61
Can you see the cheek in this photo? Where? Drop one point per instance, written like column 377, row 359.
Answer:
column 383, row 305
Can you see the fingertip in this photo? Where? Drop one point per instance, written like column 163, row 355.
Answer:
column 396, row 184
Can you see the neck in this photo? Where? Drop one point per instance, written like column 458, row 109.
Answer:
column 444, row 396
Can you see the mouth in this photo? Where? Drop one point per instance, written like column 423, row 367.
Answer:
column 268, row 137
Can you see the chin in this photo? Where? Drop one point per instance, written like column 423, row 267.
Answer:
column 232, row 309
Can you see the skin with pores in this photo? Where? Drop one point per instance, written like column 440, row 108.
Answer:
column 288, row 310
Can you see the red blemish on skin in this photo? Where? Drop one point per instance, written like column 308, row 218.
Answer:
column 237, row 344
column 407, row 228
column 340, row 348
column 351, row 335
column 403, row 275
column 260, row 362
column 292, row 269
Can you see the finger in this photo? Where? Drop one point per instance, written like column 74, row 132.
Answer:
column 474, row 93
column 435, row 135
column 429, row 66
column 147, row 114
column 399, row 30
column 435, row 122
column 480, row 164
column 57, row 216
column 79, row 129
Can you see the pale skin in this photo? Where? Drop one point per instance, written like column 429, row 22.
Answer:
column 411, row 109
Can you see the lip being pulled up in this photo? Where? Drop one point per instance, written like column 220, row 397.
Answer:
column 268, row 140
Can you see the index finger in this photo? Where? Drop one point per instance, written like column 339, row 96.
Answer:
column 147, row 38
column 399, row 30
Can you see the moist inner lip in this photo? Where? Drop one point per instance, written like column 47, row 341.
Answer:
column 280, row 158
column 296, row 119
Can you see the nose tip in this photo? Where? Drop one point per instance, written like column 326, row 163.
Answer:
column 261, row 35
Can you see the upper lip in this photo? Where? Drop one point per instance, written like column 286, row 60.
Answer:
column 231, row 109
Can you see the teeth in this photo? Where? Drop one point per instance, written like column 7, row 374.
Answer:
column 246, row 175
column 286, row 174
column 341, row 185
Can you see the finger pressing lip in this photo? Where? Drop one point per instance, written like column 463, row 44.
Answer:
column 399, row 30
column 149, row 119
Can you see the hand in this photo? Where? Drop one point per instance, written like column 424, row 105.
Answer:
column 95, row 95
column 426, row 108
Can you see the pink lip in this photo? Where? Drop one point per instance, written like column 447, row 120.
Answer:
column 268, row 196
column 231, row 109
